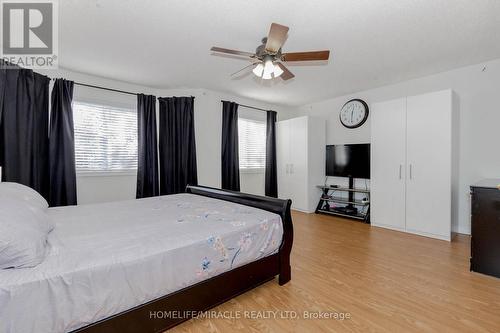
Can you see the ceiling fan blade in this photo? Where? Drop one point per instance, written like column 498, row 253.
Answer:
column 229, row 51
column 276, row 37
column 252, row 64
column 287, row 75
column 306, row 56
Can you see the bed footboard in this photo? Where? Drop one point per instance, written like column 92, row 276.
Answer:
column 273, row 205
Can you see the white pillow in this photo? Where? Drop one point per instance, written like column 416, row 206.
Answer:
column 23, row 234
column 33, row 200
column 24, row 193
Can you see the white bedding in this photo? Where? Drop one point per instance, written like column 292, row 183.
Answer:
column 107, row 258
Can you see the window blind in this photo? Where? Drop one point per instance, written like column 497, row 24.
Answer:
column 252, row 143
column 105, row 138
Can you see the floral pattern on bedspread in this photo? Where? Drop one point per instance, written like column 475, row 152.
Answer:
column 223, row 252
column 227, row 255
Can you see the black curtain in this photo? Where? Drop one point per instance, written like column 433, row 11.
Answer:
column 24, row 141
column 147, row 166
column 271, row 170
column 230, row 156
column 62, row 146
column 177, row 145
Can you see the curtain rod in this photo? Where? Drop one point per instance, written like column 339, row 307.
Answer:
column 103, row 88
column 108, row 89
column 249, row 107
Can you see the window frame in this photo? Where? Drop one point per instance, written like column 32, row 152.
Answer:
column 103, row 173
column 259, row 118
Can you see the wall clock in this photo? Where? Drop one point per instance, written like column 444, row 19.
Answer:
column 354, row 113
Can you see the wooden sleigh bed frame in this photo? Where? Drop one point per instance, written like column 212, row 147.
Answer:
column 187, row 302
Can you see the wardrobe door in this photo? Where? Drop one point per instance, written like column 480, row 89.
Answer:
column 283, row 158
column 298, row 163
column 388, row 155
column 428, row 189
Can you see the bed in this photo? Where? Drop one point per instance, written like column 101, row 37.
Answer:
column 121, row 267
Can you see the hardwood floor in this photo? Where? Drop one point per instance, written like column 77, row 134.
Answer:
column 385, row 280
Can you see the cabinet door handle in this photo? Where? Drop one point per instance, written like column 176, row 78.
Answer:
column 400, row 167
column 411, row 174
column 287, row 168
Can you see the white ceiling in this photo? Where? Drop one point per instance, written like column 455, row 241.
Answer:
column 165, row 44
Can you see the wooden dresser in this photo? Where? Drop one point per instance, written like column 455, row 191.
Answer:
column 485, row 219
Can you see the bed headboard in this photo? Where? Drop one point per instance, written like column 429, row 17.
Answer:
column 273, row 205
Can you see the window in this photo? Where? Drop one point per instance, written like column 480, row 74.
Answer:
column 252, row 143
column 105, row 138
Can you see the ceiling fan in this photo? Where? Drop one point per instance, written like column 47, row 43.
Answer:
column 269, row 59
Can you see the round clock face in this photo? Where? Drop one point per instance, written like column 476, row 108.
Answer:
column 354, row 113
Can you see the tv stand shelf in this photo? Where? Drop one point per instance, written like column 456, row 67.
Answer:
column 346, row 201
column 346, row 189
column 355, row 209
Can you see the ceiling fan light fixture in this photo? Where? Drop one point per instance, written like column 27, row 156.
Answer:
column 267, row 70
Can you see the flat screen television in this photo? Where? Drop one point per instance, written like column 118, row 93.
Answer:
column 348, row 161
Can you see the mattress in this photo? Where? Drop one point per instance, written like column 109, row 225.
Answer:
column 106, row 258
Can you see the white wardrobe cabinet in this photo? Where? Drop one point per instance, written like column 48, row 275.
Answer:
column 300, row 150
column 411, row 167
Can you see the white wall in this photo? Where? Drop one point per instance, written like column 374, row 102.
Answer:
column 208, row 128
column 477, row 90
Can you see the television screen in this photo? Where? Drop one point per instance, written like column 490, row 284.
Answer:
column 348, row 160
